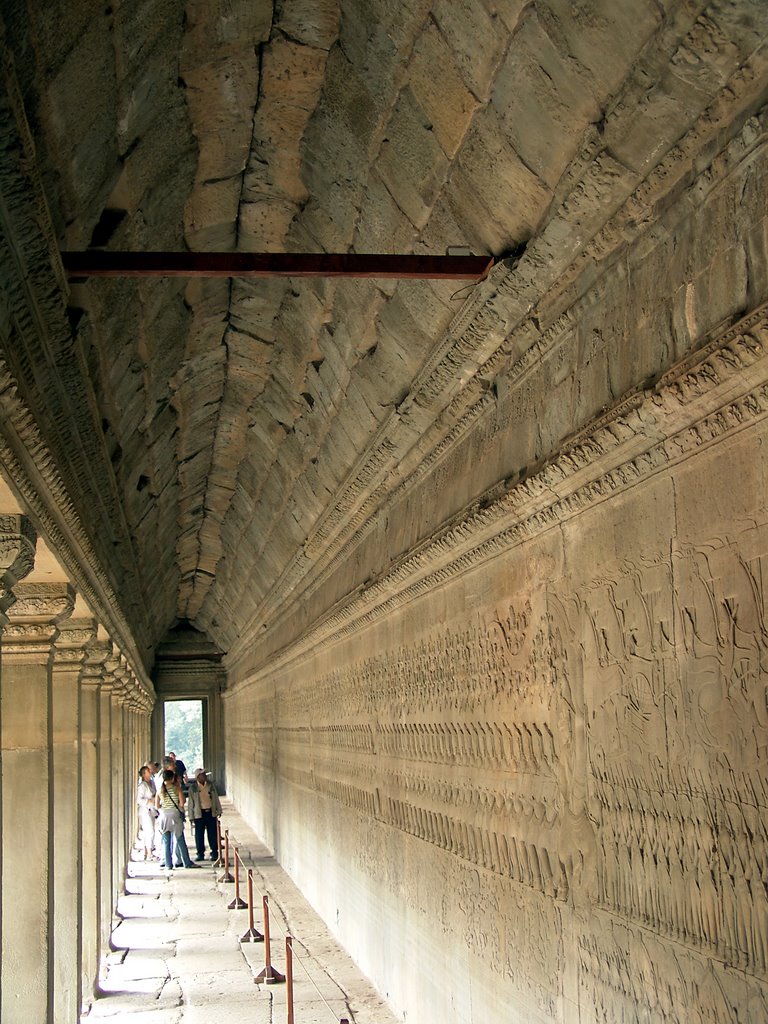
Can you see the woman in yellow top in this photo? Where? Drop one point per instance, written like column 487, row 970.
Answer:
column 170, row 803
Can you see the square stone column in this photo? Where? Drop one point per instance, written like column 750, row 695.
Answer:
column 25, row 703
column 106, row 850
column 125, row 774
column 17, row 558
column 90, row 809
column 66, row 805
column 112, row 772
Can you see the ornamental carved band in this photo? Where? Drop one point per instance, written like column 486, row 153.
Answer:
column 43, row 602
column 17, row 556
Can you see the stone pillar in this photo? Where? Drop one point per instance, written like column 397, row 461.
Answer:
column 25, row 695
column 17, row 557
column 112, row 710
column 126, row 774
column 90, row 809
column 106, row 850
column 135, row 757
column 131, row 770
column 68, row 658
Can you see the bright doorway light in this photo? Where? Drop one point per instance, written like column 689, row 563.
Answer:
column 184, row 731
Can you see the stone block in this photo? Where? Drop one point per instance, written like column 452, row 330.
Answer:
column 438, row 87
column 490, row 176
column 603, row 39
column 477, row 39
column 312, row 22
column 508, row 11
column 84, row 87
column 254, row 313
column 223, row 26
column 378, row 37
column 382, row 226
column 352, row 115
column 659, row 118
column 411, row 163
column 221, row 96
column 442, row 230
column 543, row 100
column 263, row 225
column 158, row 173
column 210, row 216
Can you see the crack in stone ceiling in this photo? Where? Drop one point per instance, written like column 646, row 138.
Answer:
column 251, row 427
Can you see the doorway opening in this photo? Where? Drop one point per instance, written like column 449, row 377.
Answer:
column 185, row 732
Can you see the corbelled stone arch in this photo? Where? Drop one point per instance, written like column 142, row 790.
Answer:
column 188, row 666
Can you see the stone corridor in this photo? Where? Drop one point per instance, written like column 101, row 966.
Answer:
column 176, row 957
column 469, row 575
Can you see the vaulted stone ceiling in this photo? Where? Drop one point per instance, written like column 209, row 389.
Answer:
column 232, row 447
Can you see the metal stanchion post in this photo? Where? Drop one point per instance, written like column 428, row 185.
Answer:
column 226, row 875
column 237, row 903
column 252, row 935
column 219, row 859
column 289, row 975
column 269, row 975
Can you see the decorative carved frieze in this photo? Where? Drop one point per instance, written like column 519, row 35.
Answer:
column 17, row 556
column 600, row 744
column 29, row 463
column 43, row 602
column 17, row 547
column 34, row 618
column 709, row 396
column 487, row 332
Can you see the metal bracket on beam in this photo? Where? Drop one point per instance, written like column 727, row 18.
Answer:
column 103, row 263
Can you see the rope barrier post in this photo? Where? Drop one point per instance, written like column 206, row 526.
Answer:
column 237, row 903
column 289, row 975
column 219, row 860
column 226, row 875
column 252, row 935
column 269, row 975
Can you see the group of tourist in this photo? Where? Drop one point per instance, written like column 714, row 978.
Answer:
column 165, row 797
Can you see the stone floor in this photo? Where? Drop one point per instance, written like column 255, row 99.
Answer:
column 178, row 960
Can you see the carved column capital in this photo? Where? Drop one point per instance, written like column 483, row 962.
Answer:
column 43, row 602
column 144, row 702
column 96, row 654
column 110, row 678
column 17, row 557
column 34, row 618
column 123, row 685
column 133, row 694
column 72, row 642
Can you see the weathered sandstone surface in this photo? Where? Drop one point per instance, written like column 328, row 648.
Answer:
column 485, row 563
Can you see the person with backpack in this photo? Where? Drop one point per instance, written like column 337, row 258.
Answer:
column 170, row 803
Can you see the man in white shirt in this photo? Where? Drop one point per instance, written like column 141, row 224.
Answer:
column 203, row 808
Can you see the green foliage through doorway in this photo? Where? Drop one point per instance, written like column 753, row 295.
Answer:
column 184, row 731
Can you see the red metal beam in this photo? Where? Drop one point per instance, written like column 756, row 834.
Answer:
column 101, row 263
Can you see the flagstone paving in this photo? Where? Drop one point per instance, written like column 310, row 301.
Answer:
column 177, row 958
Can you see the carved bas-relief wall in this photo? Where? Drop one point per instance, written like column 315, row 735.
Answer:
column 523, row 771
column 549, row 796
column 511, row 742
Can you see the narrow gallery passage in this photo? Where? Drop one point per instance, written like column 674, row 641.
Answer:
column 177, row 955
